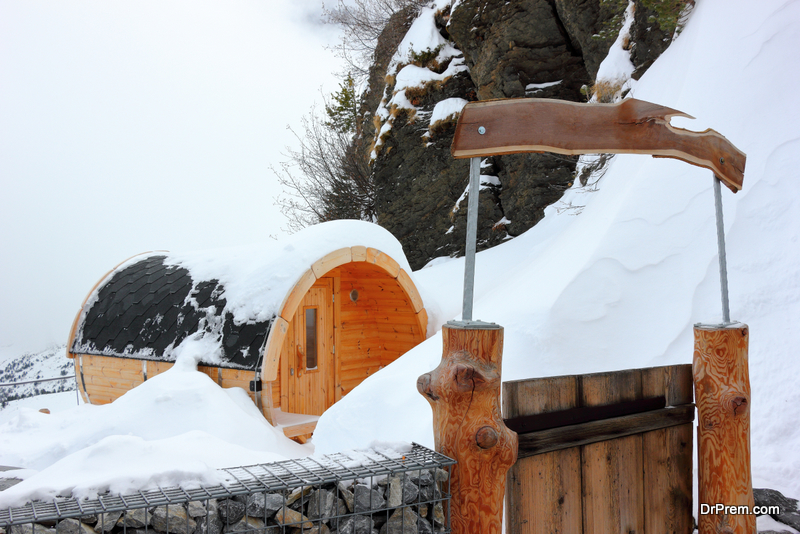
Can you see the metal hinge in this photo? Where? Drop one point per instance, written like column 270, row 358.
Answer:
column 255, row 385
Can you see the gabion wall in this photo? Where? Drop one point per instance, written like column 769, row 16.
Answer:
column 360, row 493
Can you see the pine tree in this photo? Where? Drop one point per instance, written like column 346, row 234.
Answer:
column 343, row 108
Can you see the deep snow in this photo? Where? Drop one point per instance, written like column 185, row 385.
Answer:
column 621, row 284
column 615, row 285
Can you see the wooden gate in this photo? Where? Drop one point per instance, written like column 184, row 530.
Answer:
column 602, row 453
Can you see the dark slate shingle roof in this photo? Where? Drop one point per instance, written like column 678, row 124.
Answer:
column 148, row 307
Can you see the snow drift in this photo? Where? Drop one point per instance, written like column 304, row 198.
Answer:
column 616, row 278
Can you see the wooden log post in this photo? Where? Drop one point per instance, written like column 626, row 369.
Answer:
column 722, row 394
column 464, row 392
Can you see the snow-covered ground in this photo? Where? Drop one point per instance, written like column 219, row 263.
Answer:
column 615, row 285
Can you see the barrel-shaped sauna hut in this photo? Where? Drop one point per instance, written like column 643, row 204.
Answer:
column 297, row 323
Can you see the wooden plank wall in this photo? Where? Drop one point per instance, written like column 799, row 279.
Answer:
column 375, row 329
column 108, row 378
column 638, row 483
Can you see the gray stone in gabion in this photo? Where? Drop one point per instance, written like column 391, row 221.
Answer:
column 264, row 504
column 30, row 528
column 404, row 521
column 423, row 477
column 297, row 493
column 424, row 526
column 73, row 526
column 196, row 509
column 341, row 507
column 317, row 529
column 379, row 519
column 106, row 522
column 355, row 524
column 321, row 504
column 441, row 475
column 346, row 494
column 230, row 511
column 288, row 517
column 400, row 490
column 366, row 499
column 210, row 523
column 423, row 510
column 438, row 514
column 429, row 493
column 138, row 518
column 173, row 519
column 251, row 525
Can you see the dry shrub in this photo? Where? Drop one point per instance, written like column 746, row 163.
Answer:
column 606, row 91
column 416, row 94
column 443, row 126
column 402, row 114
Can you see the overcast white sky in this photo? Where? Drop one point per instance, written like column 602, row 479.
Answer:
column 128, row 126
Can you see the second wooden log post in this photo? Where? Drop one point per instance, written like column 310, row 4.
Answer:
column 722, row 394
column 464, row 392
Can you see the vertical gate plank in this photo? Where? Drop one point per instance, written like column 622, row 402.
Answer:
column 612, row 486
column 668, row 456
column 543, row 491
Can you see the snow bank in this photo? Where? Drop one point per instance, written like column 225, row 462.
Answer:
column 621, row 285
column 175, row 429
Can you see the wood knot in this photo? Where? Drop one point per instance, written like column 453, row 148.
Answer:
column 486, row 437
column 738, row 405
column 424, row 387
column 463, row 376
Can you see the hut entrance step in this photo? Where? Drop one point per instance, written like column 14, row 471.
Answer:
column 297, row 426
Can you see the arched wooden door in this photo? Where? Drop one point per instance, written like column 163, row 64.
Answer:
column 307, row 367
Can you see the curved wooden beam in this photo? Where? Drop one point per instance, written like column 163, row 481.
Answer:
column 410, row 290
column 331, row 261
column 293, row 298
column 629, row 127
column 384, row 261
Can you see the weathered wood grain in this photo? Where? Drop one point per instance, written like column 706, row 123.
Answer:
column 628, row 127
column 611, row 470
column 564, row 437
column 722, row 390
column 667, row 455
column 464, row 392
column 543, row 491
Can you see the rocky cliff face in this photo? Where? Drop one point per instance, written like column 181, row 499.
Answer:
column 487, row 49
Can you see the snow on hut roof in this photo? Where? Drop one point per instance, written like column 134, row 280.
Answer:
column 150, row 304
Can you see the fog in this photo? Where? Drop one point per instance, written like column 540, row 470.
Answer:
column 134, row 126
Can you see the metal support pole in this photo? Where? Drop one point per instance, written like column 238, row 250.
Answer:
column 472, row 235
column 723, row 262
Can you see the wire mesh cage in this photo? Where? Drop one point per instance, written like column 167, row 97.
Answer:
column 364, row 492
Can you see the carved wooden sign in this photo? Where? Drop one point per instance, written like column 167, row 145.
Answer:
column 496, row 127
